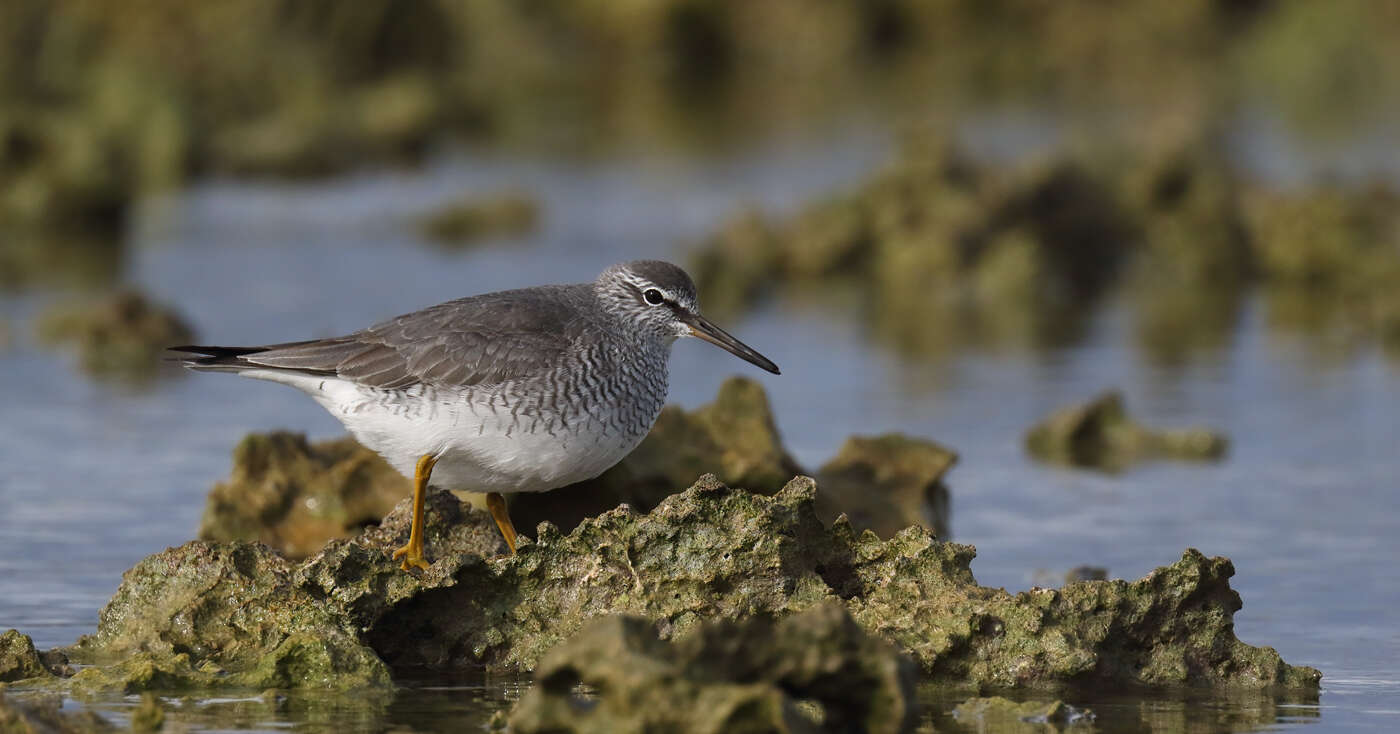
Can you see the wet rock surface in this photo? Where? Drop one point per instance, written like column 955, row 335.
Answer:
column 813, row 671
column 121, row 335
column 237, row 614
column 207, row 615
column 295, row 495
column 1100, row 435
column 18, row 658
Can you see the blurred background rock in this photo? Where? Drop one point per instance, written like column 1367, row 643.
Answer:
column 1152, row 104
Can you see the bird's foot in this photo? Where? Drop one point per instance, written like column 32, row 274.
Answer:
column 412, row 555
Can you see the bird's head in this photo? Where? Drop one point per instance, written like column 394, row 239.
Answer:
column 659, row 299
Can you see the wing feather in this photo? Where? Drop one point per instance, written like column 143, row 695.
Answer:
column 479, row 340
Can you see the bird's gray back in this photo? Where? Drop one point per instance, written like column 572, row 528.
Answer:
column 547, row 358
column 478, row 340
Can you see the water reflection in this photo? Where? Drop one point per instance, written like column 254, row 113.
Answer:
column 1181, row 711
column 462, row 702
column 469, row 701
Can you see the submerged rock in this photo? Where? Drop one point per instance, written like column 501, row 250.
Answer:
column 295, row 496
column 997, row 711
column 149, row 716
column 18, row 658
column 813, row 671
column 45, row 714
column 1100, row 435
column 122, row 335
column 237, row 614
column 502, row 215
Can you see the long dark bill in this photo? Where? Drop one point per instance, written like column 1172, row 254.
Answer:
column 703, row 328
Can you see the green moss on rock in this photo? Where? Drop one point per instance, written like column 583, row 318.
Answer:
column 206, row 614
column 1100, row 435
column 18, row 658
column 713, row 552
column 756, row 675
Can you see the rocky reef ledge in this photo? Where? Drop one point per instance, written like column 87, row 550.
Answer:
column 211, row 614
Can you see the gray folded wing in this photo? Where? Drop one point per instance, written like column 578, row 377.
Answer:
column 479, row 340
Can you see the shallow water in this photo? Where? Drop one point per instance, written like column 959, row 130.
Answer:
column 97, row 476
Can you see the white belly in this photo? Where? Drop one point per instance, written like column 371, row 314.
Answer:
column 480, row 446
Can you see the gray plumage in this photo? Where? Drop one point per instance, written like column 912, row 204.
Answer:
column 520, row 390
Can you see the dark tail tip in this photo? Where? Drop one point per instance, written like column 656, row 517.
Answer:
column 211, row 356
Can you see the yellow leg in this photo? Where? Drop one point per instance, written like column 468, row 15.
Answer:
column 496, row 503
column 412, row 554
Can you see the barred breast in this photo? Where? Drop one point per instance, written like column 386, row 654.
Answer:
column 560, row 427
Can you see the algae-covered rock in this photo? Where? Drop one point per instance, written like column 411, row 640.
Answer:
column 474, row 218
column 237, row 614
column 1332, row 259
column 756, row 675
column 985, row 253
column 208, row 614
column 1328, row 236
column 1099, row 434
column 121, row 335
column 18, row 658
column 998, row 712
column 888, row 483
column 1188, row 203
column 59, row 172
column 361, row 583
column 45, row 714
column 715, row 552
column 294, row 495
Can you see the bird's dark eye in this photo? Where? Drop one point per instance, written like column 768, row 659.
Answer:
column 653, row 296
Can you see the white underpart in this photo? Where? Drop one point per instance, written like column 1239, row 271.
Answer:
column 479, row 447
